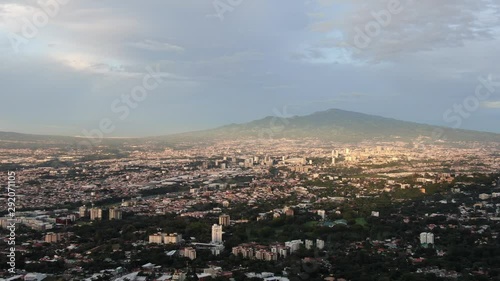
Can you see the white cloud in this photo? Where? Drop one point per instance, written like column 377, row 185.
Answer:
column 152, row 45
column 422, row 25
column 491, row 104
column 90, row 64
column 11, row 15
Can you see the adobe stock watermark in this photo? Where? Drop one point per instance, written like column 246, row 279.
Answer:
column 277, row 124
column 121, row 107
column 30, row 27
column 456, row 114
column 11, row 227
column 225, row 6
column 383, row 18
column 485, row 88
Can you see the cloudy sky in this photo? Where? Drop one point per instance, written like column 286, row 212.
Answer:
column 66, row 67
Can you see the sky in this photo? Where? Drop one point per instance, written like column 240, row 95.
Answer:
column 143, row 68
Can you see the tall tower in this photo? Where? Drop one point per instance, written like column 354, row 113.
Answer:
column 217, row 234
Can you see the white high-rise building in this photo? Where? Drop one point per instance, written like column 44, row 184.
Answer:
column 320, row 244
column 322, row 214
column 426, row 238
column 423, row 238
column 217, row 234
column 309, row 244
column 430, row 238
column 294, row 245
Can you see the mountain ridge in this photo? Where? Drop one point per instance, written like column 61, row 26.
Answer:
column 336, row 125
column 329, row 125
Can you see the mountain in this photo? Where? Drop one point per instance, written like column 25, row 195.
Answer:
column 331, row 125
column 335, row 125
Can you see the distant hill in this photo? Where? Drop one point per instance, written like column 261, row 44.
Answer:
column 11, row 136
column 335, row 125
column 18, row 140
column 331, row 125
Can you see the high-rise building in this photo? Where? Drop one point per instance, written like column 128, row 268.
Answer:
column 249, row 163
column 95, row 214
column 172, row 238
column 322, row 214
column 309, row 244
column 268, row 256
column 217, row 234
column 430, row 238
column 156, row 238
column 83, row 212
column 217, row 250
column 293, row 245
column 224, row 220
column 189, row 253
column 268, row 161
column 335, row 153
column 115, row 214
column 259, row 254
column 283, row 252
column 423, row 238
column 52, row 237
column 426, row 238
column 320, row 244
